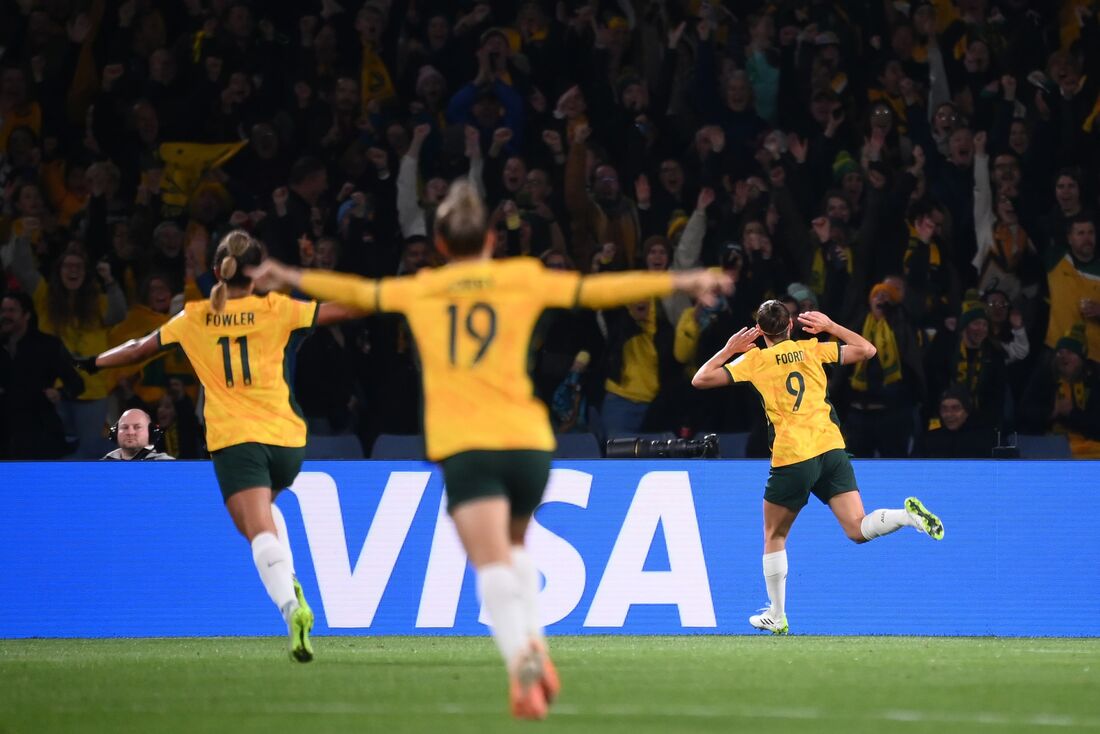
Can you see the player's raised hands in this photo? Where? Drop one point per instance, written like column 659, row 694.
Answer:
column 743, row 340
column 815, row 322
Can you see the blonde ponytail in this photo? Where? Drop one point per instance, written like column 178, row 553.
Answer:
column 235, row 244
column 460, row 219
column 218, row 296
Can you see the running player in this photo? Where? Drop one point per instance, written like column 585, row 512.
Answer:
column 472, row 321
column 807, row 447
column 239, row 344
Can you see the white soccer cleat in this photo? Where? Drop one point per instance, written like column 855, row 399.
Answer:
column 770, row 623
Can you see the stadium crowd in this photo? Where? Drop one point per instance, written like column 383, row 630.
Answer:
column 923, row 172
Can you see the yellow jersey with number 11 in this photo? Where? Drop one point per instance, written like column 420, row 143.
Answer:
column 241, row 357
column 792, row 383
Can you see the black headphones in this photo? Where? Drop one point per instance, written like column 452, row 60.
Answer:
column 156, row 433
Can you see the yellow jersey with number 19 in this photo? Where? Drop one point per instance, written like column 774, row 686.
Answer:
column 791, row 381
column 241, row 357
column 473, row 322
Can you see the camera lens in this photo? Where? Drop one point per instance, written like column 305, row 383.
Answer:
column 672, row 448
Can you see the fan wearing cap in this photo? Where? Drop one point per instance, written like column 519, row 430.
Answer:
column 828, row 60
column 952, row 435
column 1064, row 396
column 884, row 390
column 969, row 358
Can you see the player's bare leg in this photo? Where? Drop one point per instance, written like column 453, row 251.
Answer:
column 777, row 525
column 848, row 508
column 251, row 510
column 483, row 526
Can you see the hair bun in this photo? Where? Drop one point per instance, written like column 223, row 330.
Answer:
column 228, row 267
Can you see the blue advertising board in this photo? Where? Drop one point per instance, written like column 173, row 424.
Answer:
column 626, row 547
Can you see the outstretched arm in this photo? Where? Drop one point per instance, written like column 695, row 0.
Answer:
column 856, row 348
column 352, row 296
column 714, row 373
column 131, row 352
column 619, row 289
column 331, row 313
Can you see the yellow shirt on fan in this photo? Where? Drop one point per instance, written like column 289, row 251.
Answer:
column 640, row 380
column 473, row 322
column 792, row 383
column 241, row 358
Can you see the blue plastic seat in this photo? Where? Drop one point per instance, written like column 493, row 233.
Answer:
column 394, row 446
column 343, row 446
column 577, row 446
column 1050, row 446
column 732, row 445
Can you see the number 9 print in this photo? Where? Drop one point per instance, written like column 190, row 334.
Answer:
column 796, row 391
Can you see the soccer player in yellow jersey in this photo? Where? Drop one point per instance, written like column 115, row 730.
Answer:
column 472, row 321
column 239, row 344
column 807, row 447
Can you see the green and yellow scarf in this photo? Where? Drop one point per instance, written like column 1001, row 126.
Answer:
column 968, row 369
column 878, row 332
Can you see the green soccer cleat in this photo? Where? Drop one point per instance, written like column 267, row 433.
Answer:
column 301, row 622
column 301, row 595
column 926, row 522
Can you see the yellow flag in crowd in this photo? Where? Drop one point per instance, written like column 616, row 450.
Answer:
column 375, row 81
column 186, row 163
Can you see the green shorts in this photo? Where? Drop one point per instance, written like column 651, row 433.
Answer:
column 826, row 476
column 248, row 465
column 519, row 476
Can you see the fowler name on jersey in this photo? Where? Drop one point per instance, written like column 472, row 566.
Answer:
column 247, row 318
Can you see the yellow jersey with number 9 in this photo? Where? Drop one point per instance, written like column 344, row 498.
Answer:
column 792, row 383
column 241, row 357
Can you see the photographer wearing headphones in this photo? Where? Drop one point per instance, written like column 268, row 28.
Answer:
column 136, row 438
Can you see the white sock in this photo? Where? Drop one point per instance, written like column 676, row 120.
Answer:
column 528, row 576
column 499, row 589
column 272, row 562
column 775, row 576
column 883, row 522
column 284, row 536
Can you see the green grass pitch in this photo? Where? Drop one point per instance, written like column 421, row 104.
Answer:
column 610, row 684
